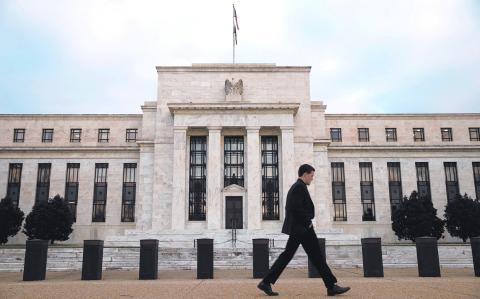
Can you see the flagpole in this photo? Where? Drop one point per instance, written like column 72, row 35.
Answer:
column 233, row 32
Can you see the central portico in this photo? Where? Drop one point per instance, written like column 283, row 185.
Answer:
column 246, row 123
column 225, row 141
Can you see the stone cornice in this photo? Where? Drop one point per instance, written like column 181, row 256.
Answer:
column 177, row 107
column 228, row 67
column 71, row 149
column 69, row 116
column 457, row 148
column 402, row 116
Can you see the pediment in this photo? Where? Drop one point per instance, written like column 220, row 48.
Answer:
column 234, row 188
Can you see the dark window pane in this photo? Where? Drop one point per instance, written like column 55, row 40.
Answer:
column 446, row 134
column 43, row 182
column 75, row 135
column 14, row 180
column 394, row 185
column 233, row 160
column 474, row 134
column 366, row 191
column 338, row 192
column 418, row 134
column 103, row 135
column 100, row 192
column 129, row 192
column 363, row 135
column 336, row 134
column 270, row 181
column 197, row 193
column 423, row 179
column 18, row 135
column 391, row 134
column 47, row 135
column 131, row 135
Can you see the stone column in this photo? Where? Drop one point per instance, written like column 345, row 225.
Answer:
column 289, row 173
column 254, row 179
column 214, row 176
column 179, row 208
column 143, row 211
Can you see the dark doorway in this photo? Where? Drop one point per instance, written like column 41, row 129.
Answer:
column 233, row 212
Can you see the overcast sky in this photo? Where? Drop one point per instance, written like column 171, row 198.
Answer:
column 366, row 56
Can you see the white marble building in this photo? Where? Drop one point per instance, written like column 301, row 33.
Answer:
column 221, row 146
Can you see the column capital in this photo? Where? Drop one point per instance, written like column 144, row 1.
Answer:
column 214, row 128
column 287, row 128
column 180, row 128
column 252, row 128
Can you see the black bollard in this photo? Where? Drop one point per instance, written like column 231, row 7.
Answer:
column 92, row 259
column 204, row 258
column 35, row 265
column 260, row 258
column 372, row 257
column 312, row 270
column 475, row 244
column 148, row 259
column 427, row 257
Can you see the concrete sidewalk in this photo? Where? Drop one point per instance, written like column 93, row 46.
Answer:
column 397, row 283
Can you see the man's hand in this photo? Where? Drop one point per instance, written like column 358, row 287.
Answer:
column 311, row 225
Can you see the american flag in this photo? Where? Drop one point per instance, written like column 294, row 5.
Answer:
column 235, row 24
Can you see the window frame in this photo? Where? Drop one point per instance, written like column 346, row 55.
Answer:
column 45, row 132
column 16, row 132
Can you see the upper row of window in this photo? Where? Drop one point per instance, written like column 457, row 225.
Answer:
column 76, row 135
column 391, row 134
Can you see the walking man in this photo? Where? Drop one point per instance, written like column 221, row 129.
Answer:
column 299, row 212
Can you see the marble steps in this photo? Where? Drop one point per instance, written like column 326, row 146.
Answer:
column 127, row 258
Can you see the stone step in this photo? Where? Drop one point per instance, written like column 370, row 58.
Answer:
column 68, row 258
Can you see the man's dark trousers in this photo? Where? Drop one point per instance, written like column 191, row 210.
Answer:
column 310, row 244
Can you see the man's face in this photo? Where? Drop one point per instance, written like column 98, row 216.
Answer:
column 308, row 177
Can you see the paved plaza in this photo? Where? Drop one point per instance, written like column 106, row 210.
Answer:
column 397, row 283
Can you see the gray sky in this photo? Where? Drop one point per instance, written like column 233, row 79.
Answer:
column 366, row 56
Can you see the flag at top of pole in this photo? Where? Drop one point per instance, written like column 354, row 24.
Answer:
column 235, row 28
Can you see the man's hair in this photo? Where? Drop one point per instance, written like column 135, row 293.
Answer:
column 305, row 168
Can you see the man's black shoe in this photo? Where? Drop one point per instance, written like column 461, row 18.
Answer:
column 337, row 290
column 267, row 288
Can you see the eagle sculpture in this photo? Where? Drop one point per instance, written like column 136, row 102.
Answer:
column 233, row 88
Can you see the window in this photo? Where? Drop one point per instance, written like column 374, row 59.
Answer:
column 476, row 178
column 71, row 188
column 474, row 134
column 197, row 187
column 446, row 134
column 451, row 180
column 363, row 135
column 418, row 134
column 233, row 161
column 103, row 135
column 270, row 188
column 100, row 192
column 75, row 135
column 14, row 179
column 47, row 135
column 43, row 182
column 394, row 186
column 336, row 134
column 18, row 135
column 366, row 191
column 391, row 134
column 131, row 135
column 338, row 192
column 423, row 179
column 129, row 192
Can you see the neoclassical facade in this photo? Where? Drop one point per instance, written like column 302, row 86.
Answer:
column 219, row 149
